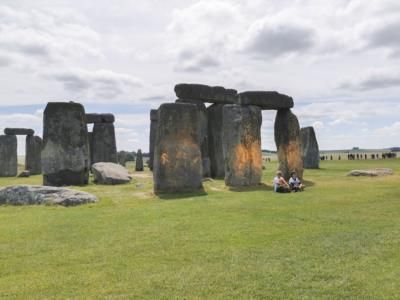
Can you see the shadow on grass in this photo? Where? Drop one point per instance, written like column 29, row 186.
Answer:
column 177, row 196
column 309, row 183
column 260, row 187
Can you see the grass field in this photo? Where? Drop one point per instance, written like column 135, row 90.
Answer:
column 338, row 239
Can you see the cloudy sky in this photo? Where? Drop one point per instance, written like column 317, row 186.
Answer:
column 339, row 60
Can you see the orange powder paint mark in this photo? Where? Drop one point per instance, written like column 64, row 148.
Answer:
column 164, row 158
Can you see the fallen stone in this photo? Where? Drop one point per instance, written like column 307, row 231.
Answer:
column 203, row 133
column 104, row 147
column 139, row 161
column 205, row 93
column 19, row 131
column 33, row 153
column 110, row 173
column 266, row 100
column 65, row 154
column 215, row 140
column 177, row 155
column 48, row 195
column 242, row 145
column 153, row 129
column 371, row 172
column 309, row 148
column 288, row 143
column 25, row 173
column 99, row 118
column 8, row 156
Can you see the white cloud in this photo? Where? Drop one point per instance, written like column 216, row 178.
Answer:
column 99, row 84
column 34, row 36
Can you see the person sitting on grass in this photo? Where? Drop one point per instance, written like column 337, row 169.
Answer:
column 295, row 183
column 280, row 184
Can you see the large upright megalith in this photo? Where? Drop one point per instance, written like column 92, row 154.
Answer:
column 65, row 154
column 33, row 152
column 203, row 133
column 309, row 148
column 153, row 129
column 177, row 155
column 139, row 161
column 211, row 130
column 242, row 145
column 104, row 148
column 288, row 143
column 8, row 156
column 215, row 139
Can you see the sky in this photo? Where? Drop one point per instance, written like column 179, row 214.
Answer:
column 339, row 60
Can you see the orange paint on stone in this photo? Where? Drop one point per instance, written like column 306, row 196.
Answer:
column 164, row 158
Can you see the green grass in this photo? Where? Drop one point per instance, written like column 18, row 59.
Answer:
column 339, row 239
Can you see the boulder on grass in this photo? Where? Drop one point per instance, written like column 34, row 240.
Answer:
column 110, row 173
column 48, row 195
column 371, row 172
column 25, row 173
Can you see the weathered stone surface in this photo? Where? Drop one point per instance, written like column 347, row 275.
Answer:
column 110, row 173
column 48, row 195
column 265, row 99
column 288, row 143
column 205, row 93
column 371, row 172
column 65, row 154
column 33, row 153
column 104, row 147
column 99, row 118
column 203, row 133
column 139, row 161
column 19, row 131
column 215, row 140
column 153, row 129
column 25, row 173
column 309, row 148
column 177, row 155
column 8, row 156
column 242, row 145
column 90, row 138
column 122, row 157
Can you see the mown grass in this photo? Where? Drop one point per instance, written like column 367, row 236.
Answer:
column 339, row 239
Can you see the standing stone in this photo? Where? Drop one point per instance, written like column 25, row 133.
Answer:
column 122, row 158
column 33, row 153
column 309, row 148
column 90, row 138
column 203, row 133
column 177, row 155
column 215, row 141
column 153, row 129
column 65, row 154
column 139, row 161
column 104, row 145
column 8, row 156
column 242, row 145
column 288, row 143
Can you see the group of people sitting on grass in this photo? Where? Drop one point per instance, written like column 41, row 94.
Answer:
column 282, row 186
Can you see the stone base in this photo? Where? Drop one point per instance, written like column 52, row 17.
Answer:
column 66, row 177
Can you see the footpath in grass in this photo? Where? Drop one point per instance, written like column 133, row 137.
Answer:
column 339, row 239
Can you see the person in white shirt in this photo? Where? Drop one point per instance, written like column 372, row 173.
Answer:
column 295, row 183
column 280, row 184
